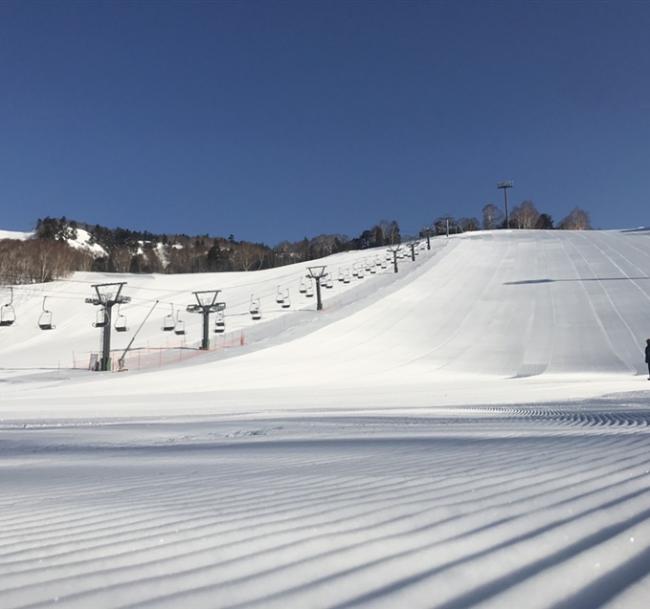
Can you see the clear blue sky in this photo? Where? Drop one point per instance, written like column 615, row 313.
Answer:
column 275, row 120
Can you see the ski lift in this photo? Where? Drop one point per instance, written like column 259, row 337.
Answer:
column 303, row 286
column 286, row 300
column 168, row 321
column 328, row 282
column 179, row 327
column 7, row 313
column 255, row 309
column 310, row 290
column 355, row 272
column 341, row 276
column 279, row 297
column 45, row 319
column 220, row 323
column 120, row 322
column 100, row 319
column 346, row 276
column 383, row 265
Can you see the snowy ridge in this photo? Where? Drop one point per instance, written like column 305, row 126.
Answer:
column 15, row 234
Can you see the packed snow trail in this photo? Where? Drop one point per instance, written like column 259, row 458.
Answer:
column 483, row 507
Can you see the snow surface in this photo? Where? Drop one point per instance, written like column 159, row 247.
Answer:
column 437, row 438
column 15, row 234
column 84, row 242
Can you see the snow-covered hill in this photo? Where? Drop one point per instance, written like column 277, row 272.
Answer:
column 82, row 240
column 410, row 446
column 521, row 307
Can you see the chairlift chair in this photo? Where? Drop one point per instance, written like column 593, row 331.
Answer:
column 255, row 309
column 120, row 322
column 341, row 276
column 310, row 290
column 45, row 318
column 7, row 312
column 346, row 276
column 286, row 300
column 279, row 297
column 303, row 286
column 220, row 323
column 168, row 321
column 101, row 319
column 179, row 328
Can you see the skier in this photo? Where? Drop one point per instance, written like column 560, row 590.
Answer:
column 647, row 356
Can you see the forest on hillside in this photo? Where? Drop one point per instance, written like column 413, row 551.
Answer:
column 56, row 249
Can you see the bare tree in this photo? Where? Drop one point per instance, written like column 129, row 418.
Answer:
column 578, row 219
column 524, row 215
column 492, row 216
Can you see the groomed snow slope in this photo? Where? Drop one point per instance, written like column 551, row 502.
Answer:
column 319, row 467
column 484, row 318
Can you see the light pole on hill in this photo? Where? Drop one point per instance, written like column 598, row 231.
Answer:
column 504, row 186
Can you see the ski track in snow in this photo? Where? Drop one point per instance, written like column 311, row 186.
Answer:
column 529, row 506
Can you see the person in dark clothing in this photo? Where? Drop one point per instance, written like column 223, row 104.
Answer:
column 647, row 356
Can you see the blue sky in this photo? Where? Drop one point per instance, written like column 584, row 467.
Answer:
column 275, row 120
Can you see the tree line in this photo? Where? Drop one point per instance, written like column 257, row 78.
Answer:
column 49, row 256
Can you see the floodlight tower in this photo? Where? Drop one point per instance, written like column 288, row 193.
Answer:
column 206, row 303
column 504, row 186
column 317, row 273
column 108, row 295
column 393, row 249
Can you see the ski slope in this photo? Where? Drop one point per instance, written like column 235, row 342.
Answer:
column 471, row 432
column 494, row 317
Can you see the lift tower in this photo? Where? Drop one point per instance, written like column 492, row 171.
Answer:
column 108, row 295
column 427, row 234
column 317, row 273
column 413, row 245
column 206, row 303
column 393, row 249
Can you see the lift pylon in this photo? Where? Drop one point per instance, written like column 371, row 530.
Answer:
column 107, row 296
column 318, row 273
column 206, row 303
